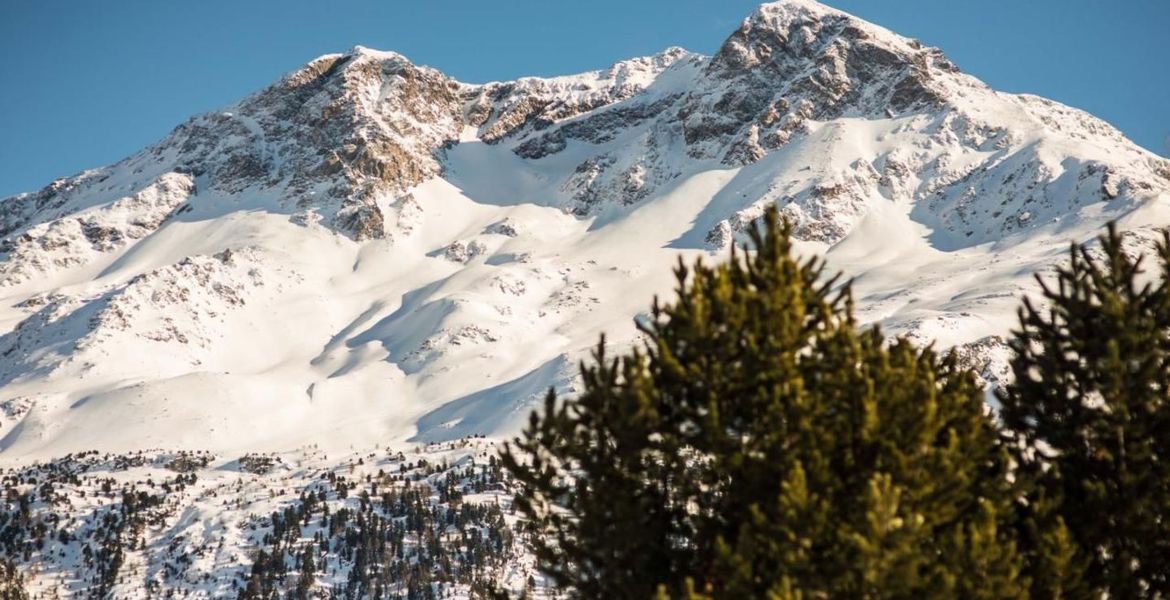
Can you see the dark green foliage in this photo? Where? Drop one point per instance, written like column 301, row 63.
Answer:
column 762, row 446
column 1089, row 407
column 397, row 542
column 11, row 582
column 117, row 527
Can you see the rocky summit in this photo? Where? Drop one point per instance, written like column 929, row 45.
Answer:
column 369, row 253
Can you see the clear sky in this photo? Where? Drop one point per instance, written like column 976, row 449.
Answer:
column 88, row 82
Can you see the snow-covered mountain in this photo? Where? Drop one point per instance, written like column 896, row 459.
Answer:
column 370, row 252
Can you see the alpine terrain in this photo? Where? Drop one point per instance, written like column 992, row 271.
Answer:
column 337, row 292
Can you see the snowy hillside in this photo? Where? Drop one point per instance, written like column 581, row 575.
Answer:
column 427, row 522
column 371, row 252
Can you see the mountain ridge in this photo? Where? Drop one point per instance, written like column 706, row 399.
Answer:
column 324, row 304
column 370, row 251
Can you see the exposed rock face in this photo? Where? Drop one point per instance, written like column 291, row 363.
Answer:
column 341, row 137
column 79, row 238
column 990, row 358
column 338, row 140
column 790, row 62
column 508, row 109
column 794, row 67
column 332, row 137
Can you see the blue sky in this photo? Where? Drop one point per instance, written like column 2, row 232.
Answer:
column 86, row 83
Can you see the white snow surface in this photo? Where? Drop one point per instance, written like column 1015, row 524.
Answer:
column 369, row 252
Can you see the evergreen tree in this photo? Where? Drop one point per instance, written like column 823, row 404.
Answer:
column 1090, row 412
column 760, row 445
column 11, row 582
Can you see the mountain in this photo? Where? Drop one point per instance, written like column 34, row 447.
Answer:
column 369, row 251
column 282, row 296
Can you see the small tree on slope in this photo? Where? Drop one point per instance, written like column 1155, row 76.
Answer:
column 762, row 446
column 1090, row 408
column 11, row 582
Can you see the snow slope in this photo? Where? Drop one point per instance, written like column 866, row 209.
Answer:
column 369, row 252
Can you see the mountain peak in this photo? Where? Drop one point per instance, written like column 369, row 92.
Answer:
column 359, row 50
column 803, row 52
column 796, row 29
column 783, row 15
column 796, row 9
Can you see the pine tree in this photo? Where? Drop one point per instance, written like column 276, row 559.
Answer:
column 1090, row 410
column 760, row 445
column 11, row 582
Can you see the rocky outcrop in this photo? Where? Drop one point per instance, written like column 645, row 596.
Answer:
column 82, row 237
column 337, row 137
column 795, row 68
column 502, row 110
